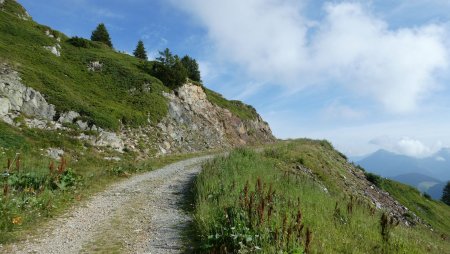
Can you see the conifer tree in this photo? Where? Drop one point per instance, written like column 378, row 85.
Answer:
column 101, row 34
column 446, row 194
column 140, row 52
column 169, row 69
column 192, row 68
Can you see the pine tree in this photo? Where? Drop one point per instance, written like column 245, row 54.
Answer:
column 166, row 57
column 140, row 52
column 101, row 34
column 169, row 69
column 192, row 68
column 446, row 194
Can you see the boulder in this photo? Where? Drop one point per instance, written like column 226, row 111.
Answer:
column 21, row 98
column 49, row 34
column 68, row 117
column 55, row 50
column 83, row 125
column 5, row 106
column 55, row 153
column 109, row 139
column 95, row 66
column 34, row 104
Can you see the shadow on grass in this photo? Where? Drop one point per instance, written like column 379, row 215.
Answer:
column 190, row 236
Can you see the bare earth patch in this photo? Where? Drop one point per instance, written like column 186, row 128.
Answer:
column 142, row 214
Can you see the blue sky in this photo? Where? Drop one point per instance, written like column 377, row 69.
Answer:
column 364, row 74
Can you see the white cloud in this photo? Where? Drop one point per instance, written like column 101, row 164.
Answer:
column 275, row 43
column 407, row 146
column 439, row 158
column 337, row 110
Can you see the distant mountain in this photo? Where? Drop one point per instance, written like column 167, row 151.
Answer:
column 423, row 183
column 426, row 174
column 416, row 179
column 388, row 164
column 437, row 190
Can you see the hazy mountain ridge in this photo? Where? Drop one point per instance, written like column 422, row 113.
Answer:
column 427, row 174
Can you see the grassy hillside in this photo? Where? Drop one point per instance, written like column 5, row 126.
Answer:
column 123, row 91
column 252, row 201
column 436, row 213
column 238, row 108
column 104, row 96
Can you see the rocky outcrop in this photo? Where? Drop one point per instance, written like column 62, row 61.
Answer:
column 55, row 50
column 194, row 124
column 95, row 66
column 16, row 97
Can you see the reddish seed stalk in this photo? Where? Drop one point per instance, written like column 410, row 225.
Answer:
column 6, row 190
column 250, row 206
column 261, row 212
column 51, row 167
column 308, row 240
column 18, row 163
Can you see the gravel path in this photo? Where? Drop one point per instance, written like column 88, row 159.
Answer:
column 140, row 215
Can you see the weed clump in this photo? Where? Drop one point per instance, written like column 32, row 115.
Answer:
column 373, row 178
column 29, row 193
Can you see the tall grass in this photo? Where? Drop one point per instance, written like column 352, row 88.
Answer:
column 250, row 202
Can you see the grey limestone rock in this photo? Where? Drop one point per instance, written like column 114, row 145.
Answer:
column 17, row 97
column 55, row 50
column 95, row 66
column 109, row 139
column 68, row 117
column 55, row 153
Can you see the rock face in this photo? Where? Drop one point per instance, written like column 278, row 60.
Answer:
column 55, row 50
column 192, row 124
column 95, row 66
column 14, row 96
column 195, row 124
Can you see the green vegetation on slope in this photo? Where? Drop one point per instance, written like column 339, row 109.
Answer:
column 123, row 91
column 431, row 211
column 105, row 97
column 238, row 108
column 34, row 188
column 251, row 201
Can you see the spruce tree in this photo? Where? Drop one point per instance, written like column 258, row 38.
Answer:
column 166, row 57
column 446, row 194
column 192, row 68
column 169, row 69
column 140, row 52
column 101, row 34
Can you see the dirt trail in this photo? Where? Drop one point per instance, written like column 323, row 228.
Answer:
column 140, row 215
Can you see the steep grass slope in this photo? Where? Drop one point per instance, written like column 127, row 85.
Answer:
column 295, row 197
column 108, row 97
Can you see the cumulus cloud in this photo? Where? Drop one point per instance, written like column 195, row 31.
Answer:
column 406, row 145
column 350, row 47
column 337, row 110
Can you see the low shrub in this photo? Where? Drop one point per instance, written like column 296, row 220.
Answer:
column 374, row 178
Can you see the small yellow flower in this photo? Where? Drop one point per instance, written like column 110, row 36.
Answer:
column 17, row 220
